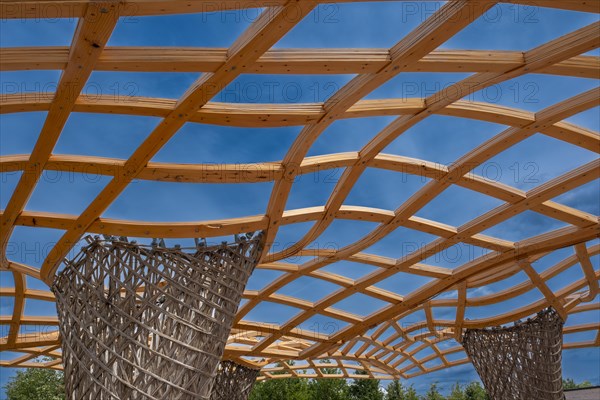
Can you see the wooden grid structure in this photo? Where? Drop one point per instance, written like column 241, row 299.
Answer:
column 365, row 342
column 148, row 323
column 521, row 361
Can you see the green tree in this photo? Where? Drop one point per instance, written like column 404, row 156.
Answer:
column 474, row 391
column 411, row 394
column 457, row 393
column 395, row 391
column 433, row 393
column 281, row 389
column 365, row 389
column 569, row 383
column 328, row 388
column 36, row 384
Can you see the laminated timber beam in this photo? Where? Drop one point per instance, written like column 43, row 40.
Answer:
column 287, row 61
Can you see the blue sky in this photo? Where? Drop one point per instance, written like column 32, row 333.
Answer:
column 439, row 139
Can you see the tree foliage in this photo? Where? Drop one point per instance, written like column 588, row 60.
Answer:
column 570, row 384
column 36, row 384
column 433, row 393
column 474, row 391
column 365, row 389
column 457, row 393
column 397, row 391
column 281, row 389
column 329, row 388
column 46, row 384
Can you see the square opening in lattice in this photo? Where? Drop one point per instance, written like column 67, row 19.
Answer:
column 401, row 243
column 31, row 245
column 349, row 269
column 459, row 135
column 589, row 118
column 312, row 189
column 457, row 255
column 66, row 192
column 456, row 356
column 350, row 134
column 403, row 283
column 361, row 304
column 162, row 201
column 532, row 162
column 523, row 226
column 9, row 181
column 545, row 263
column 502, row 307
column 19, row 132
column 566, row 278
column 406, row 87
column 533, row 92
column 308, row 288
column 386, row 189
column 116, row 137
column 45, row 29
column 271, row 315
column 287, row 236
column 456, row 206
column 251, row 150
column 342, row 233
column 207, row 28
column 580, row 337
column 518, row 27
column 35, row 307
column 124, row 87
column 322, row 326
column 583, row 198
column 365, row 25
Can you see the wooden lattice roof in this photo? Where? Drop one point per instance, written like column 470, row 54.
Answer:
column 382, row 343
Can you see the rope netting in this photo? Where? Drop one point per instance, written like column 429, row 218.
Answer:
column 233, row 381
column 141, row 322
column 521, row 362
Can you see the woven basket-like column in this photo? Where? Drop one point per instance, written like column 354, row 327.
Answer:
column 233, row 381
column 148, row 322
column 522, row 362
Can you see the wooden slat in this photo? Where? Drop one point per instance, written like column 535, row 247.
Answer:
column 588, row 270
column 286, row 61
column 11, row 9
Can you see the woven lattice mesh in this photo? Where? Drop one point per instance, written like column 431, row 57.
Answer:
column 522, row 361
column 148, row 323
column 233, row 381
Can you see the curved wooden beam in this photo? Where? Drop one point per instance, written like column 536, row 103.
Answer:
column 287, row 61
column 266, row 115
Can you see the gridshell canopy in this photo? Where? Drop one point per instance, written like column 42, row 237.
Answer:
column 410, row 333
